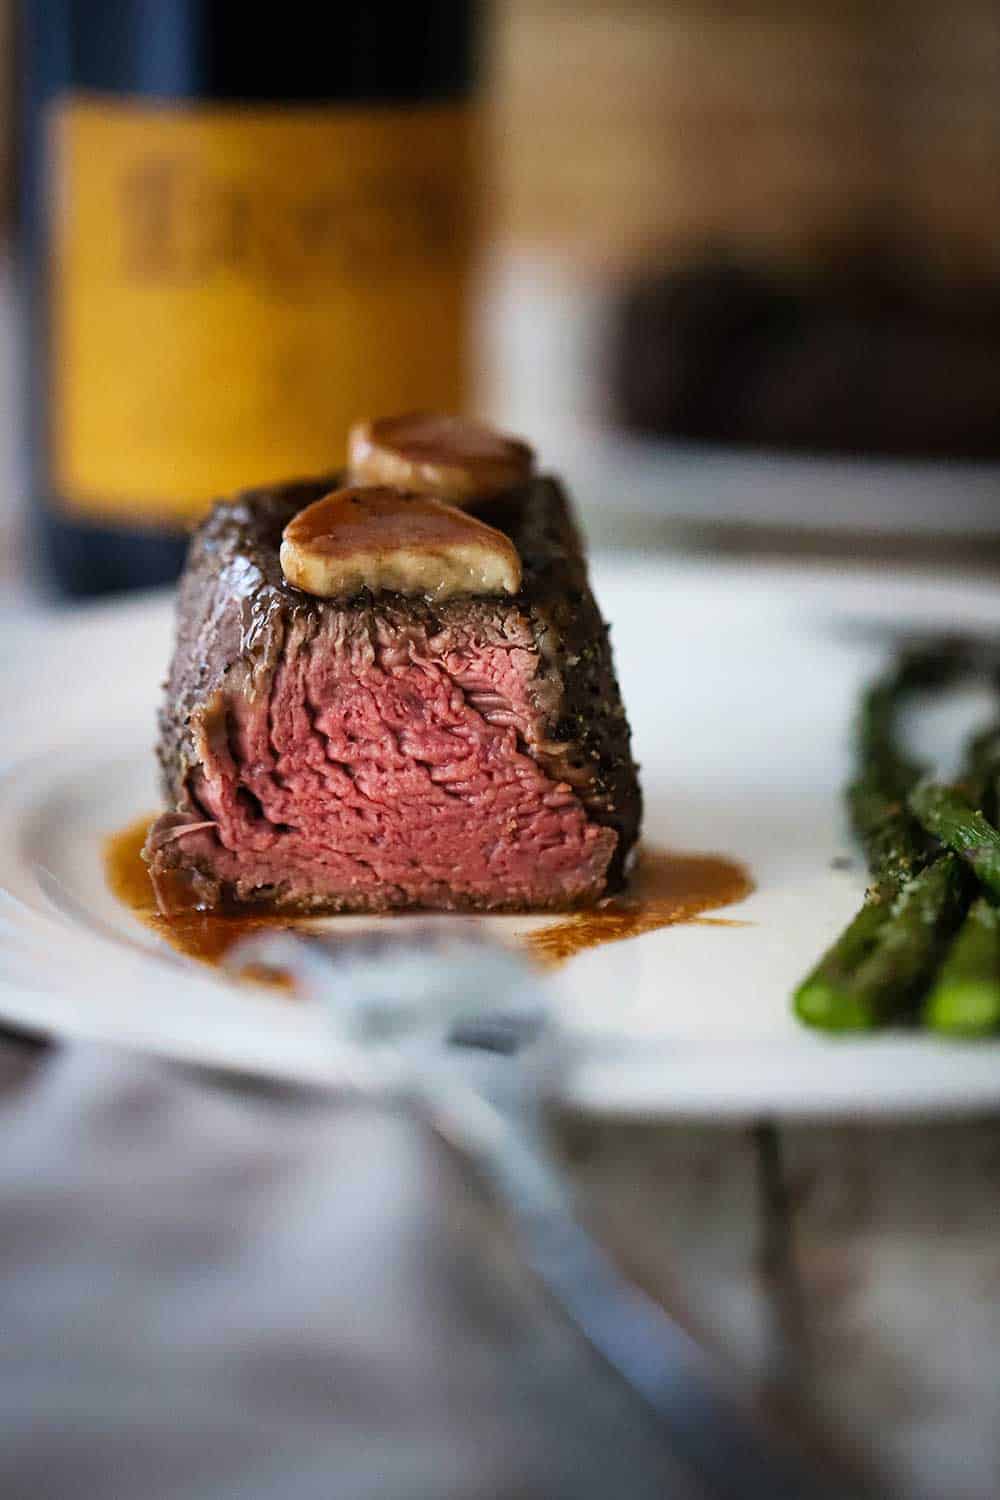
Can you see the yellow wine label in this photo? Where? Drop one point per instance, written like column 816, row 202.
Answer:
column 232, row 287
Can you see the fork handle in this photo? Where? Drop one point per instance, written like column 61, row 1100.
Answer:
column 713, row 1432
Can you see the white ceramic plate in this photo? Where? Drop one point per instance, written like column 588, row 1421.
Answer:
column 740, row 684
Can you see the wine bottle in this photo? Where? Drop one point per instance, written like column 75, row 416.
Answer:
column 244, row 228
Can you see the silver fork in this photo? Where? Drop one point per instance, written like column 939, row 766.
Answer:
column 460, row 1029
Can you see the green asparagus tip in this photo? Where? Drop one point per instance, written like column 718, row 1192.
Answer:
column 970, row 1009
column 831, row 1007
column 965, row 998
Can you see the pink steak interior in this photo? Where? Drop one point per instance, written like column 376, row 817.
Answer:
column 375, row 767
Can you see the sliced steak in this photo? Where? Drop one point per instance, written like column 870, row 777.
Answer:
column 384, row 752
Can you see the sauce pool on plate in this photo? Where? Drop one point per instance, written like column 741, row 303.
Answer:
column 205, row 935
column 665, row 889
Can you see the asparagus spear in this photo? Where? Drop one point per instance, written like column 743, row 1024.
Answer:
column 892, row 959
column 819, row 998
column 884, row 944
column 965, row 999
column 895, row 845
column 838, row 993
column 949, row 816
column 981, row 778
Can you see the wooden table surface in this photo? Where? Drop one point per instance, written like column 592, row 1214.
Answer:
column 850, row 1271
column 847, row 1273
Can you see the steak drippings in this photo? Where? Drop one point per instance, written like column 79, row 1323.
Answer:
column 666, row 889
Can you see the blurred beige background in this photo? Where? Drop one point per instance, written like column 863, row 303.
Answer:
column 630, row 136
column 625, row 132
column 619, row 131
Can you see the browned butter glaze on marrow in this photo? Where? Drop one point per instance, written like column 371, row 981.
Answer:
column 452, row 458
column 391, row 541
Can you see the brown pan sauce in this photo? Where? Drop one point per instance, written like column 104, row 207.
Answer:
column 664, row 890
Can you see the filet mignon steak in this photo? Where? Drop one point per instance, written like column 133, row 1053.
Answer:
column 384, row 752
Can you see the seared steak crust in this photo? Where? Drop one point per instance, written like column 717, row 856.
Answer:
column 387, row 752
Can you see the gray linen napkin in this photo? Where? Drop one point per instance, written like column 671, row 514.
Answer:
column 211, row 1291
